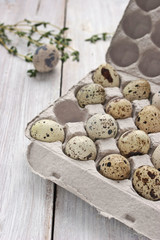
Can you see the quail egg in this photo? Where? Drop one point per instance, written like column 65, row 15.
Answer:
column 156, row 100
column 91, row 94
column 156, row 157
column 101, row 126
column 114, row 166
column 106, row 76
column 47, row 130
column 45, row 58
column 134, row 142
column 137, row 90
column 148, row 119
column 146, row 182
column 119, row 108
column 81, row 148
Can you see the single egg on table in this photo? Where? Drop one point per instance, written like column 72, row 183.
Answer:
column 114, row 166
column 47, row 130
column 156, row 100
column 148, row 119
column 146, row 182
column 156, row 158
column 134, row 142
column 137, row 90
column 106, row 76
column 81, row 148
column 45, row 58
column 119, row 108
column 101, row 126
column 90, row 94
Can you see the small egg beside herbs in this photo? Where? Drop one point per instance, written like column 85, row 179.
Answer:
column 114, row 166
column 81, row 148
column 148, row 119
column 119, row 108
column 45, row 58
column 156, row 100
column 137, row 90
column 134, row 142
column 106, row 76
column 146, row 182
column 90, row 94
column 156, row 158
column 47, row 130
column 101, row 126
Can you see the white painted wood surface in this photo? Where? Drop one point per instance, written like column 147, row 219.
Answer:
column 26, row 201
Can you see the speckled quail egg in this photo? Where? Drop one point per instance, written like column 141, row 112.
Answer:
column 156, row 100
column 136, row 90
column 134, row 142
column 148, row 119
column 91, row 94
column 114, row 166
column 101, row 126
column 106, row 76
column 81, row 148
column 156, row 157
column 47, row 130
column 45, row 58
column 146, row 182
column 119, row 108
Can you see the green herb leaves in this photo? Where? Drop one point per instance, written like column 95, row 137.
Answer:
column 32, row 72
column 13, row 50
column 97, row 37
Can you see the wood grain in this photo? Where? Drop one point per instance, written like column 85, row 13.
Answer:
column 26, row 200
column 75, row 219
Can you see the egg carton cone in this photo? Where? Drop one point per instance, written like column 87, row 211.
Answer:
column 134, row 52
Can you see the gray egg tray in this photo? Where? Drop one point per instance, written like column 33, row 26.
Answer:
column 112, row 199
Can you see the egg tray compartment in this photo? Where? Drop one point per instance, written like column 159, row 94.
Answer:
column 111, row 198
column 135, row 47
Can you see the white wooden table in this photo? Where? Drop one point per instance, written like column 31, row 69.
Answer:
column 30, row 207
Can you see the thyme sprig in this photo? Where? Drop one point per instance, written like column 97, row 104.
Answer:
column 101, row 36
column 36, row 33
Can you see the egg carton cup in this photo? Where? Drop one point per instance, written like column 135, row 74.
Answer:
column 134, row 46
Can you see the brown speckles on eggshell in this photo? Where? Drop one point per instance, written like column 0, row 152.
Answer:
column 47, row 131
column 136, row 90
column 119, row 108
column 101, row 126
column 156, row 157
column 45, row 58
column 148, row 119
column 90, row 94
column 106, row 76
column 81, row 148
column 114, row 166
column 145, row 179
column 134, row 142
column 156, row 100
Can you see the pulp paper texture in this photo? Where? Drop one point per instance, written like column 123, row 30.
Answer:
column 135, row 53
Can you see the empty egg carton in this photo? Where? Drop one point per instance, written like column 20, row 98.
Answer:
column 135, row 41
column 135, row 47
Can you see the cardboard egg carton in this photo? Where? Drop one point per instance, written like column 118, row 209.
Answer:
column 112, row 199
column 135, row 47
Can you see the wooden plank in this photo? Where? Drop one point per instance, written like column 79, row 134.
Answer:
column 26, row 200
column 75, row 219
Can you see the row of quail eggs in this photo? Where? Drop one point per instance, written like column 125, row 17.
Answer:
column 100, row 126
